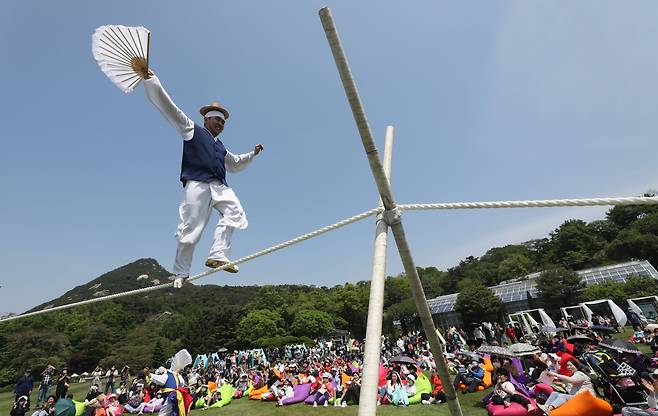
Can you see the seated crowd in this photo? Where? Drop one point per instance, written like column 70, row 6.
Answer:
column 542, row 370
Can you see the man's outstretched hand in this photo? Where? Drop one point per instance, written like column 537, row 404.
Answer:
column 258, row 148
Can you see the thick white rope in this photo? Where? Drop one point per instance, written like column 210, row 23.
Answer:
column 438, row 206
column 277, row 247
column 534, row 204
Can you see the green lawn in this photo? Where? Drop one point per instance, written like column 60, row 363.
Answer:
column 471, row 406
column 628, row 331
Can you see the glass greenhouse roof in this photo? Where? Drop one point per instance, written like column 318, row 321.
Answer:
column 520, row 289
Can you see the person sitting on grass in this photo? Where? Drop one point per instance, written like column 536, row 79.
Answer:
column 241, row 386
column 48, row 407
column 578, row 381
column 112, row 406
column 390, row 389
column 20, row 407
column 322, row 389
column 135, row 401
column 504, row 392
column 650, row 383
column 352, row 391
column 284, row 392
column 212, row 398
column 472, row 377
column 401, row 396
column 437, row 396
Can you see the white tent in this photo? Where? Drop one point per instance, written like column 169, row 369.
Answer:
column 617, row 312
column 570, row 311
column 651, row 301
column 528, row 321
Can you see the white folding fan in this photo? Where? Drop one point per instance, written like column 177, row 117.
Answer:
column 122, row 52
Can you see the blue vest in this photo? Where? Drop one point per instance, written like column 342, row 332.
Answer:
column 203, row 158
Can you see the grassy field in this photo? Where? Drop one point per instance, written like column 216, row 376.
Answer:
column 471, row 406
column 628, row 331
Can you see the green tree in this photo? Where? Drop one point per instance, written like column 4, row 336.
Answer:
column 624, row 215
column 404, row 311
column 640, row 286
column 616, row 291
column 477, row 303
column 514, row 266
column 558, row 287
column 350, row 305
column 607, row 230
column 159, row 356
column 312, row 323
column 258, row 324
column 431, row 277
column 639, row 241
column 573, row 245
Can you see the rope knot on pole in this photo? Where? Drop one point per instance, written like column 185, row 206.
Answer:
column 392, row 216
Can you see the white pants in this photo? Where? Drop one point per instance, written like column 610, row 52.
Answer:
column 194, row 214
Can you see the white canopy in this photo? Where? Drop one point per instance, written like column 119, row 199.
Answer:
column 528, row 320
column 635, row 308
column 546, row 320
column 617, row 312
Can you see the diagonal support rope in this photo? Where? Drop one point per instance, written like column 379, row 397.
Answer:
column 269, row 250
column 582, row 202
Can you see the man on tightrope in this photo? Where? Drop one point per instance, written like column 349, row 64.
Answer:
column 203, row 173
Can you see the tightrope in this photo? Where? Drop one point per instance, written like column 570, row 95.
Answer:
column 277, row 247
column 542, row 203
column 406, row 207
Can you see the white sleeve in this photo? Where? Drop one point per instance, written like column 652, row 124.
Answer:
column 236, row 163
column 161, row 100
column 159, row 379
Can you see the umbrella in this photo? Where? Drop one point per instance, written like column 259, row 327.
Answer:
column 601, row 328
column 64, row 407
column 402, row 359
column 651, row 327
column 619, row 345
column 581, row 339
column 522, row 348
column 222, row 350
column 496, row 350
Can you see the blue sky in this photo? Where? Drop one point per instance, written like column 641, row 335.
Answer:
column 490, row 100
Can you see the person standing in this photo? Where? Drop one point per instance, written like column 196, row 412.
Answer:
column 111, row 375
column 96, row 376
column 203, row 174
column 44, row 387
column 24, row 386
column 62, row 385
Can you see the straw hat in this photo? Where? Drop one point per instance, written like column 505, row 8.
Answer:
column 214, row 106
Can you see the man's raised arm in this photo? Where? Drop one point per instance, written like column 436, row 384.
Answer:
column 161, row 100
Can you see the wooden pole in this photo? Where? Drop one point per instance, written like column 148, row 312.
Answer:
column 389, row 204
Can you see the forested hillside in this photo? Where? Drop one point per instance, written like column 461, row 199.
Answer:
column 145, row 329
